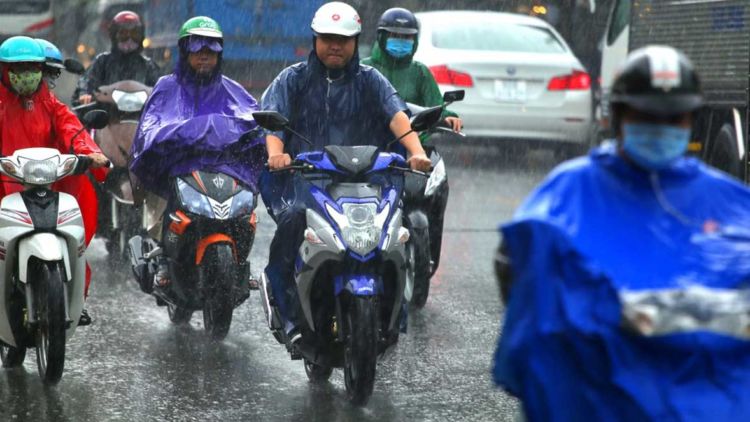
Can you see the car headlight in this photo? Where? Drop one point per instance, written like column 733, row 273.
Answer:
column 361, row 225
column 437, row 177
column 129, row 101
column 39, row 172
column 194, row 201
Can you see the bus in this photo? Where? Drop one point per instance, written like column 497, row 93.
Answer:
column 34, row 18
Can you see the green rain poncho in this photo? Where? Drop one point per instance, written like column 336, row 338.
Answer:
column 412, row 79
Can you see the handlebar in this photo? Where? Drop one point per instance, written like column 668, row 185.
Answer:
column 303, row 167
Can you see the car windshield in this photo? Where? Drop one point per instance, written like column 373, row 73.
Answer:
column 496, row 36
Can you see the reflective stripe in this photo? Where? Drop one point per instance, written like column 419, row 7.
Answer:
column 691, row 309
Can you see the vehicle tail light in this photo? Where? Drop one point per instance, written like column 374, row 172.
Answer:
column 576, row 81
column 445, row 76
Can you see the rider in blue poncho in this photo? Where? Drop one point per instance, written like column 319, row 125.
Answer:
column 194, row 120
column 630, row 270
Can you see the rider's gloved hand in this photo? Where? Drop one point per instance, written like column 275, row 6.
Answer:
column 420, row 162
column 455, row 123
column 98, row 160
column 85, row 99
column 279, row 161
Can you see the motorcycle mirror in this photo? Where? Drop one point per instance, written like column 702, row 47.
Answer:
column 74, row 66
column 271, row 120
column 95, row 119
column 426, row 119
column 453, row 96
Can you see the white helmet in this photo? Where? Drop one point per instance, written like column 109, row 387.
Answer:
column 337, row 18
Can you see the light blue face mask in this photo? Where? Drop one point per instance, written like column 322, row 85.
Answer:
column 654, row 146
column 399, row 47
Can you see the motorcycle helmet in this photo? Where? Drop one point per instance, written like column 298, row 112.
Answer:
column 337, row 18
column 21, row 49
column 52, row 55
column 127, row 21
column 400, row 21
column 202, row 26
column 658, row 80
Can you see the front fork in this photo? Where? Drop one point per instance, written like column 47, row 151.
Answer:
column 31, row 307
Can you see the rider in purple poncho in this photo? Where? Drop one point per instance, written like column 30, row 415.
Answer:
column 194, row 120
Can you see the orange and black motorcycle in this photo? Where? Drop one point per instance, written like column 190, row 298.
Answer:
column 207, row 236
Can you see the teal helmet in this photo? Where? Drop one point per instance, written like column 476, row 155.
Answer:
column 52, row 55
column 21, row 49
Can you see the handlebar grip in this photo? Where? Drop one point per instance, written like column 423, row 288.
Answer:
column 83, row 164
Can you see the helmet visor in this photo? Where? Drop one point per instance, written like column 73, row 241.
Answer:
column 197, row 43
column 399, row 30
column 661, row 105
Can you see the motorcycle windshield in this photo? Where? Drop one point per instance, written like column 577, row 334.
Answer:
column 214, row 195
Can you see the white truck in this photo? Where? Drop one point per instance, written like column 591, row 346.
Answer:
column 715, row 35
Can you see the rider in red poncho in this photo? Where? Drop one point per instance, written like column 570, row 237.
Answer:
column 31, row 116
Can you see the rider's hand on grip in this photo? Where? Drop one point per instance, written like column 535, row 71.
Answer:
column 420, row 162
column 85, row 99
column 279, row 161
column 98, row 160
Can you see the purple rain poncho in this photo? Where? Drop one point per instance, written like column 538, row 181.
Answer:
column 192, row 124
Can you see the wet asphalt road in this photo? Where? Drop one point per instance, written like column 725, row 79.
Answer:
column 133, row 365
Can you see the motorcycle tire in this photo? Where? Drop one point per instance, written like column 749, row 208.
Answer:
column 317, row 373
column 420, row 266
column 49, row 301
column 361, row 349
column 218, row 304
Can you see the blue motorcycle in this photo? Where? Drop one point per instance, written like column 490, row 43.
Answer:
column 351, row 268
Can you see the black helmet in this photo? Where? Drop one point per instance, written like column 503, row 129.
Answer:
column 657, row 80
column 399, row 21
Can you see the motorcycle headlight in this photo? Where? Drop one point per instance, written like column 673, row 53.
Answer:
column 361, row 225
column 129, row 101
column 39, row 172
column 242, row 204
column 194, row 201
column 437, row 177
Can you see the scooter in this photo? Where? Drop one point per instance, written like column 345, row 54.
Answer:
column 351, row 267
column 425, row 200
column 208, row 237
column 119, row 219
column 42, row 264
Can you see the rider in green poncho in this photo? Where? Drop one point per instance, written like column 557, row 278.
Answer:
column 393, row 56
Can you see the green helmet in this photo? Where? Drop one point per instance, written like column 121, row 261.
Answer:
column 201, row 25
column 21, row 49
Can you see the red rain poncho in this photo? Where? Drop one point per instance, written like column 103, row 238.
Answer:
column 44, row 121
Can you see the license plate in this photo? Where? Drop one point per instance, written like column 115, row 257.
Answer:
column 508, row 90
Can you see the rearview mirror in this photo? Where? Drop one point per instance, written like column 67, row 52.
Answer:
column 453, row 96
column 74, row 66
column 426, row 119
column 95, row 119
column 271, row 120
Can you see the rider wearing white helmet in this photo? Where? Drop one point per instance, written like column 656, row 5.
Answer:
column 333, row 100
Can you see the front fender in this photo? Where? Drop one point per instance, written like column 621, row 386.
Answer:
column 417, row 220
column 46, row 247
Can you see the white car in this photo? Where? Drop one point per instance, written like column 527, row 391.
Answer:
column 522, row 81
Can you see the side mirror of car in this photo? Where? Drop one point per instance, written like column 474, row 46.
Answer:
column 95, row 119
column 271, row 120
column 426, row 119
column 74, row 66
column 453, row 96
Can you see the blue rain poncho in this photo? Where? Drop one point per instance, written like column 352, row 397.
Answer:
column 630, row 295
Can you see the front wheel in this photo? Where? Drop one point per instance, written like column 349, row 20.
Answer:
column 361, row 352
column 49, row 300
column 219, row 292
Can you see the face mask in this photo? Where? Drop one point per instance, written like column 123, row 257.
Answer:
column 25, row 83
column 399, row 47
column 654, row 146
column 127, row 46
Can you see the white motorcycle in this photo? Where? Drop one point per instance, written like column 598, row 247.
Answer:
column 42, row 264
